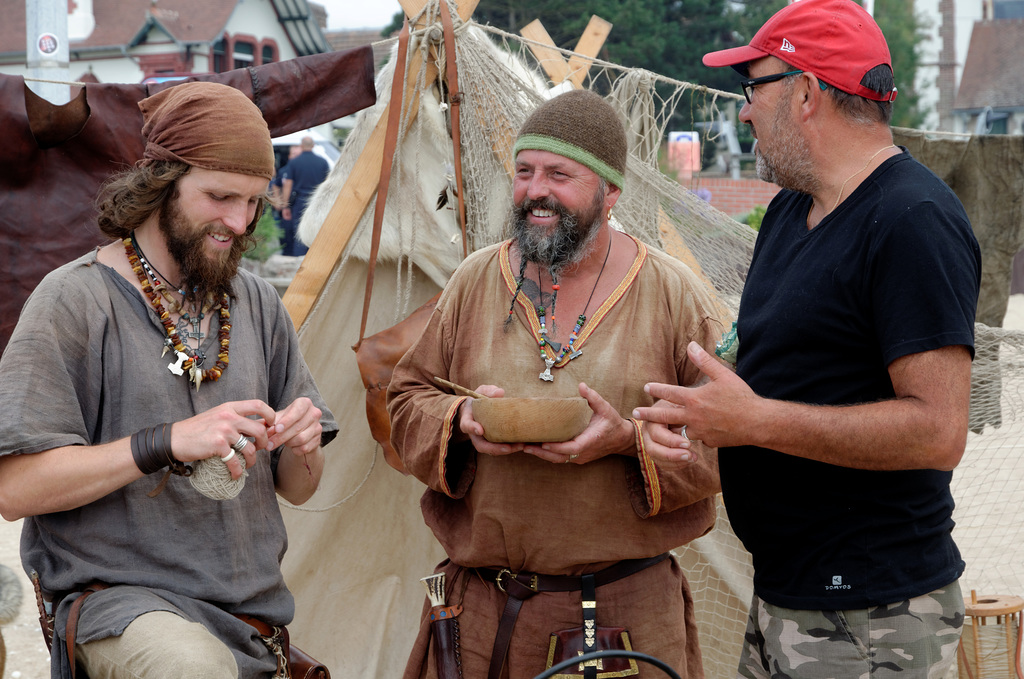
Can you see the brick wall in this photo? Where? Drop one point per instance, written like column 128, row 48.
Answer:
column 735, row 197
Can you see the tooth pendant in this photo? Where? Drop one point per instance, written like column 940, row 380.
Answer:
column 196, row 375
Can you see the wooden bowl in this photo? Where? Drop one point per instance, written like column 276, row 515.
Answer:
column 531, row 420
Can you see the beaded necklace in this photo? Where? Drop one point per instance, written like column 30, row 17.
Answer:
column 186, row 358
column 158, row 284
column 568, row 348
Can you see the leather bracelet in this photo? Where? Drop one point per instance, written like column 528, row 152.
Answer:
column 151, row 450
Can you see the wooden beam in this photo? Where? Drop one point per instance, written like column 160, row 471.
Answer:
column 332, row 239
column 589, row 45
column 413, row 7
column 551, row 60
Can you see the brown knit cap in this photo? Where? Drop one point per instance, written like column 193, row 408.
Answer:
column 207, row 125
column 582, row 126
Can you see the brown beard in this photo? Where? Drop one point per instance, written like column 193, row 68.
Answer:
column 201, row 272
column 567, row 244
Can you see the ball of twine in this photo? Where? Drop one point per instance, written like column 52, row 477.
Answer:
column 10, row 595
column 212, row 478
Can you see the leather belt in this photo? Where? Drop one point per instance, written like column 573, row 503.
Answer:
column 263, row 628
column 522, row 586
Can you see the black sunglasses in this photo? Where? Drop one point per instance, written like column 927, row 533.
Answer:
column 749, row 85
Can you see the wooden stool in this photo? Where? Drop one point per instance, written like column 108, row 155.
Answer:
column 1005, row 610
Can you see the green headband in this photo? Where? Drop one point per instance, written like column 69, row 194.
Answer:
column 540, row 142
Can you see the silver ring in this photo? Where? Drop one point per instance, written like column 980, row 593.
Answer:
column 228, row 456
column 684, row 433
column 239, row 445
column 574, row 456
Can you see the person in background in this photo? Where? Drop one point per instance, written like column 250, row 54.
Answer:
column 276, row 196
column 299, row 179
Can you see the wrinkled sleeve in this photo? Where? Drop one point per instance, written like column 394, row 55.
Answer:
column 424, row 426
column 50, row 399
column 655, row 490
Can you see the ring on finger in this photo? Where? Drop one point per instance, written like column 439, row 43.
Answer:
column 229, row 455
column 684, row 433
column 573, row 457
column 239, row 445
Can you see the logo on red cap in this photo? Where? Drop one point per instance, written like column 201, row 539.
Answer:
column 839, row 43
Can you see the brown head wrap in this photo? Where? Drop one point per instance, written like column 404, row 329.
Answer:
column 207, row 125
column 581, row 126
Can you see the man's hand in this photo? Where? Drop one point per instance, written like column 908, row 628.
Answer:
column 475, row 431
column 716, row 412
column 297, row 428
column 215, row 431
column 606, row 434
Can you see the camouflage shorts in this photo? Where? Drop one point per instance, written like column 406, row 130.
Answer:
column 914, row 638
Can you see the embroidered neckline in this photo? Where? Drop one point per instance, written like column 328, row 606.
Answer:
column 531, row 318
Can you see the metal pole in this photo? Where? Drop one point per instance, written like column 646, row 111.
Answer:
column 46, row 48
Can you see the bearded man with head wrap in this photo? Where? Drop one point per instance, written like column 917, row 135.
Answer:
column 139, row 361
column 552, row 543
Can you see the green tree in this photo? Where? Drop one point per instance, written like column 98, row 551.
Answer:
column 669, row 37
column 903, row 32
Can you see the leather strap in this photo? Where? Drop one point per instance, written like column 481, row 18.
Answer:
column 455, row 98
column 506, row 580
column 263, row 628
column 504, row 636
column 71, row 630
column 589, row 601
column 390, row 143
column 45, row 618
column 522, row 586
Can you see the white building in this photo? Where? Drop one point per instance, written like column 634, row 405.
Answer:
column 127, row 41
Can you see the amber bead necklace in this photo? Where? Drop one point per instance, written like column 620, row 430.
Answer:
column 185, row 356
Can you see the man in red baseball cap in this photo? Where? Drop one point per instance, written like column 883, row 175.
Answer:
column 848, row 408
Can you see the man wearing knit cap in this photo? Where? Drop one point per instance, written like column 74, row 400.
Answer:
column 559, row 548
column 135, row 368
column 848, row 409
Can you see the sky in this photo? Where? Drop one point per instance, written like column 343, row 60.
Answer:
column 359, row 13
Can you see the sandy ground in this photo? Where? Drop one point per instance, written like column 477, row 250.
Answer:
column 27, row 657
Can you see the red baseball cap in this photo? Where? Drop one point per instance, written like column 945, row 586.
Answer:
column 836, row 40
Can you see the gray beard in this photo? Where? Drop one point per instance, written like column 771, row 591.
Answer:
column 567, row 245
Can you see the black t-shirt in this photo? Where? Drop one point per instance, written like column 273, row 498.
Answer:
column 895, row 270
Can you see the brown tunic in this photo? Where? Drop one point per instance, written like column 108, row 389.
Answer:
column 525, row 514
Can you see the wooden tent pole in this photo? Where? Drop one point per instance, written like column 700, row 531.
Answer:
column 355, row 196
column 552, row 61
column 589, row 45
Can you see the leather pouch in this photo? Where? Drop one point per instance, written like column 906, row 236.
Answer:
column 377, row 356
column 303, row 666
column 570, row 643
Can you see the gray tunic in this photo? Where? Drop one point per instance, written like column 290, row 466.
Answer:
column 84, row 367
